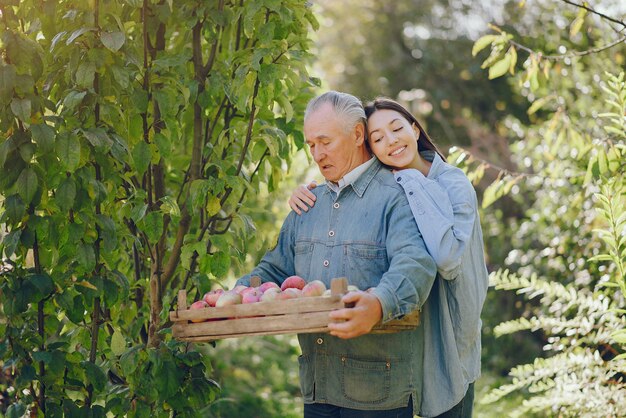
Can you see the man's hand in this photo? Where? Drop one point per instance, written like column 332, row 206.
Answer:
column 358, row 320
column 302, row 198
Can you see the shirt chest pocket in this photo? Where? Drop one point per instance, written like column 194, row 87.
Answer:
column 303, row 253
column 364, row 264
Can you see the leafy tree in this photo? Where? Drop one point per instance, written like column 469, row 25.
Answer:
column 133, row 134
column 571, row 243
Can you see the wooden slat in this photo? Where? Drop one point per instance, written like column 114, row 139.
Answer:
column 277, row 307
column 207, row 338
column 252, row 325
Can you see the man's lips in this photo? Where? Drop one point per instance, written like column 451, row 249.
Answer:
column 397, row 151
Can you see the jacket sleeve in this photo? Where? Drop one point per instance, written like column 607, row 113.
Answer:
column 411, row 273
column 445, row 212
column 278, row 263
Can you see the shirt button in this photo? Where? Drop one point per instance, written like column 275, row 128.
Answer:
column 331, row 233
column 326, row 263
column 336, row 205
column 320, row 341
column 410, row 193
column 399, row 179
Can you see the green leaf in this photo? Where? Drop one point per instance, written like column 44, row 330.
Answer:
column 86, row 257
column 10, row 242
column 482, row 43
column 14, row 208
column 43, row 283
column 95, row 375
column 7, row 82
column 118, row 343
column 85, row 74
column 68, row 151
column 213, row 205
column 21, row 108
column 170, row 206
column 500, row 67
column 142, row 156
column 153, row 226
column 27, row 184
column 578, row 22
column 66, row 194
column 98, row 138
column 73, row 99
column 43, row 135
column 113, row 40
column 16, row 410
column 220, row 263
column 78, row 33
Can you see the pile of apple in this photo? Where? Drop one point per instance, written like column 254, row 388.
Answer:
column 293, row 287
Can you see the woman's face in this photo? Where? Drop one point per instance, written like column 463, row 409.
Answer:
column 393, row 139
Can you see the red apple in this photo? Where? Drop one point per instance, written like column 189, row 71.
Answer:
column 200, row 304
column 228, row 298
column 268, row 285
column 314, row 288
column 211, row 297
column 295, row 282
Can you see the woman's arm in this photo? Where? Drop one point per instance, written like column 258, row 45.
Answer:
column 445, row 211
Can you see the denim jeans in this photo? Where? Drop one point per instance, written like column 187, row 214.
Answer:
column 464, row 408
column 322, row 410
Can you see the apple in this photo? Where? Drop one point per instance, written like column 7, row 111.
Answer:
column 353, row 288
column 200, row 304
column 295, row 282
column 239, row 288
column 314, row 288
column 289, row 293
column 268, row 285
column 211, row 297
column 250, row 295
column 270, row 294
column 228, row 298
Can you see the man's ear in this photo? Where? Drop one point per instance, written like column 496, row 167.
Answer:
column 359, row 134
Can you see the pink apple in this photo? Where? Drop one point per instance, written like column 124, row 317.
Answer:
column 228, row 298
column 268, row 285
column 211, row 297
column 295, row 282
column 239, row 288
column 314, row 288
column 250, row 295
column 200, row 304
column 270, row 294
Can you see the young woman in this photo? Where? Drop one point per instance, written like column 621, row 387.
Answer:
column 445, row 208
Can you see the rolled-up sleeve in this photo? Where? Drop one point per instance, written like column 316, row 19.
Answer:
column 407, row 283
column 278, row 263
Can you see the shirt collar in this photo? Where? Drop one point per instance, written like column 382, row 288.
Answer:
column 438, row 166
column 354, row 178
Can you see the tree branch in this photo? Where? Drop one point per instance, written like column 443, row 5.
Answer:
column 571, row 55
column 589, row 9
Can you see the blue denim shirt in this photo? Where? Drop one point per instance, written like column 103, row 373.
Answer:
column 367, row 234
column 446, row 210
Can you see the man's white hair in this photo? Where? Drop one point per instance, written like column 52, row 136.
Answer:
column 348, row 108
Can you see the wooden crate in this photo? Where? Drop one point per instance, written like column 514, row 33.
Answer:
column 291, row 316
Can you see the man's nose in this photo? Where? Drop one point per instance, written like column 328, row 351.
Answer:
column 318, row 155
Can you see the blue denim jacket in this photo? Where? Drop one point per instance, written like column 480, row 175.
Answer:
column 446, row 210
column 367, row 234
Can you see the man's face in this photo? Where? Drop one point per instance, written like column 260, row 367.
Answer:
column 336, row 151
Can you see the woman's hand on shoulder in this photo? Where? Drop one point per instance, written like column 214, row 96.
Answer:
column 302, row 198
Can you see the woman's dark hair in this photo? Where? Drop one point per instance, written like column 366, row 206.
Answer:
column 383, row 103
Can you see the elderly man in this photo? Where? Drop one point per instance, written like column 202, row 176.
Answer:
column 361, row 227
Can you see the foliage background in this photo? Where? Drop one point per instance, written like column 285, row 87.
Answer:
column 149, row 146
